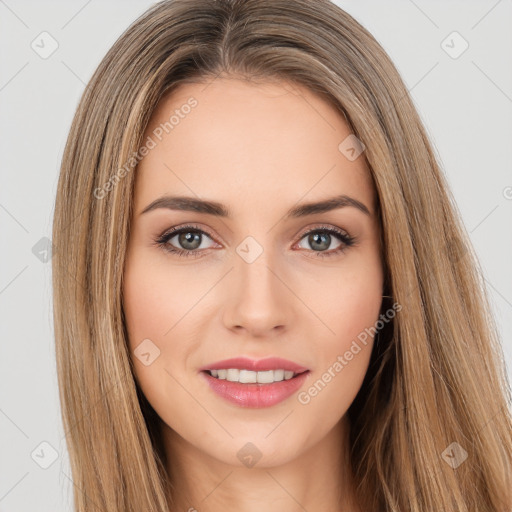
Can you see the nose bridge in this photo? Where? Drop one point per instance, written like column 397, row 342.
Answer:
column 259, row 299
column 253, row 266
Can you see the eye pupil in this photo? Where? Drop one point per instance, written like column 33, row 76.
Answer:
column 188, row 240
column 315, row 239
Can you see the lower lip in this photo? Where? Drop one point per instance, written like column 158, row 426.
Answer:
column 255, row 395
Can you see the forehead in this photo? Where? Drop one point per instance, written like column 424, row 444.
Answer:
column 240, row 141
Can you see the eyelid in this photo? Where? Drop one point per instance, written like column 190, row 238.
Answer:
column 170, row 233
column 301, row 233
column 344, row 237
column 320, row 227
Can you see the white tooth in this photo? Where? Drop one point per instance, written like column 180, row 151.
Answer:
column 278, row 375
column 266, row 377
column 232, row 374
column 249, row 377
column 246, row 376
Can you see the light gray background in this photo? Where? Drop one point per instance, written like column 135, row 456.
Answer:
column 465, row 102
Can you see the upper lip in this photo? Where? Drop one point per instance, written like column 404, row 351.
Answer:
column 244, row 363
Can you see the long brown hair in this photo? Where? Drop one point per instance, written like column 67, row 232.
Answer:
column 437, row 374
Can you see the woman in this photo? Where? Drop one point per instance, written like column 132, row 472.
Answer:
column 267, row 298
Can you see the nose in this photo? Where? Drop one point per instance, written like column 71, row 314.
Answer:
column 260, row 300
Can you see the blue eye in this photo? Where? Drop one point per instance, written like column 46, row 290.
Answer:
column 191, row 238
column 322, row 237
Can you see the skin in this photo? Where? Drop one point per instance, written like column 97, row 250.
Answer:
column 260, row 149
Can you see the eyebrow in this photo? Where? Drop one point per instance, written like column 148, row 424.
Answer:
column 192, row 204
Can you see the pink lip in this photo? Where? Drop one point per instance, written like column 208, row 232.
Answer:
column 243, row 363
column 255, row 395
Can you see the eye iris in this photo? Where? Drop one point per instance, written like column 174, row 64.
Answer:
column 314, row 239
column 188, row 240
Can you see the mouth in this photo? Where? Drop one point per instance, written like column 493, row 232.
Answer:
column 256, row 384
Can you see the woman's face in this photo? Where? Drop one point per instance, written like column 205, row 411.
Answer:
column 236, row 167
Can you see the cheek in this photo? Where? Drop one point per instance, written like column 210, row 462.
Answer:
column 156, row 300
column 358, row 309
column 153, row 306
column 351, row 302
column 350, row 308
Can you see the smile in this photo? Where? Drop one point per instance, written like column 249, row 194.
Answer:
column 254, row 394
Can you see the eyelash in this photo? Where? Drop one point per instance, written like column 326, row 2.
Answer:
column 162, row 240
